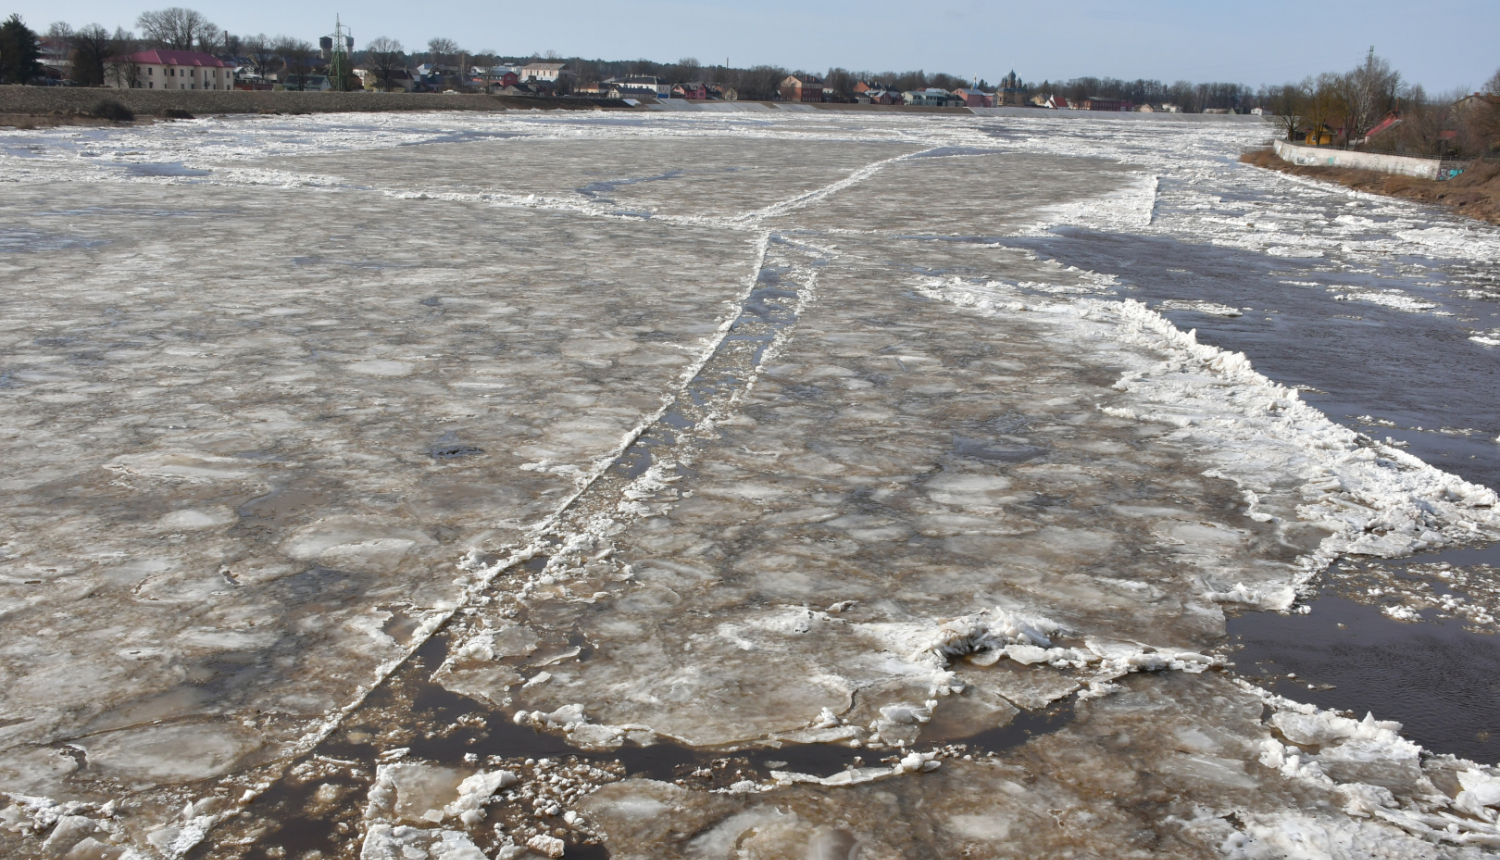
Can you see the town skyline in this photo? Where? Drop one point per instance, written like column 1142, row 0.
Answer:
column 1206, row 46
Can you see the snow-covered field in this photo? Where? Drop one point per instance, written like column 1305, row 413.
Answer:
column 714, row 485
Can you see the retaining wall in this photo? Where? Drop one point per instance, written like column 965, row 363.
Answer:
column 39, row 101
column 1319, row 156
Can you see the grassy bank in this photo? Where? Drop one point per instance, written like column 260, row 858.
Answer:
column 1475, row 192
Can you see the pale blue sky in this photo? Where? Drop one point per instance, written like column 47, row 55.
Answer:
column 1200, row 40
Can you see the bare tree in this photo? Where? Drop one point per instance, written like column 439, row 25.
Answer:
column 60, row 31
column 261, row 52
column 1481, row 120
column 686, row 69
column 385, row 57
column 297, row 58
column 441, row 50
column 93, row 46
column 122, row 69
column 1286, row 103
column 178, row 29
column 1322, row 100
column 1367, row 94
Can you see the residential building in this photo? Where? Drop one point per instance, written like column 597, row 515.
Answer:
column 401, row 79
column 802, row 88
column 174, row 70
column 930, row 97
column 974, row 98
column 58, row 55
column 1101, row 104
column 641, row 85
column 544, row 71
column 878, row 97
column 693, row 90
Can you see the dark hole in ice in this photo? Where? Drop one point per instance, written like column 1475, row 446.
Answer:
column 1440, row 681
column 598, row 190
column 453, row 452
column 767, row 302
column 431, row 301
column 635, row 461
column 1025, row 726
column 1046, row 501
column 950, row 151
column 318, row 584
column 165, row 168
column 285, row 503
column 995, row 452
column 816, row 759
column 15, row 240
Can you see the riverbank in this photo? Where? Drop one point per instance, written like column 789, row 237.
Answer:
column 1474, row 193
column 22, row 101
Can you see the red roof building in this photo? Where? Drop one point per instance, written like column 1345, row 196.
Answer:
column 171, row 70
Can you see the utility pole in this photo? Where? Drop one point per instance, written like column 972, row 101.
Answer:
column 338, row 56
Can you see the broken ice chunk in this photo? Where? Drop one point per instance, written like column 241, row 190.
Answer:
column 474, row 791
column 547, row 846
column 385, row 842
column 1483, row 788
column 1026, row 654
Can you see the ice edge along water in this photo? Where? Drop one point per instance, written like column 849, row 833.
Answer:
column 1374, row 499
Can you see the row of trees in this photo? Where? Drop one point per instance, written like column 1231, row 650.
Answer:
column 1343, row 109
column 95, row 52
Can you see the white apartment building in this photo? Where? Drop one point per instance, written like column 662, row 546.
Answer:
column 172, row 70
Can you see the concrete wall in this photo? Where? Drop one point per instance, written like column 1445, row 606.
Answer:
column 45, row 100
column 1322, row 156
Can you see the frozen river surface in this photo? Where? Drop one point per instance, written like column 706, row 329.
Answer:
column 742, row 485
